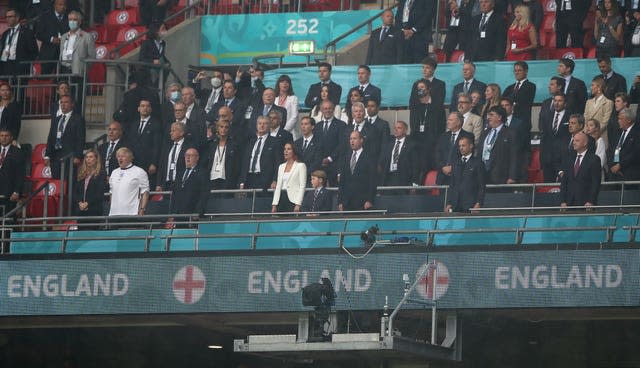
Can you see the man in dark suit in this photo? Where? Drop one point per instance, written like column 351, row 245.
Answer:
column 381, row 125
column 357, row 188
column 556, row 86
column 574, row 89
column 414, row 19
column 614, row 82
column 468, row 85
column 108, row 149
column 264, row 107
column 277, row 131
column 569, row 17
column 190, row 191
column 144, row 137
column 398, row 164
column 468, row 179
column 171, row 96
column 196, row 118
column 18, row 44
column 522, row 135
column 320, row 198
column 371, row 136
column 170, row 162
column 51, row 26
column 196, row 133
column 309, row 147
column 138, row 90
column 385, row 43
column 12, row 171
column 437, row 89
column 250, row 85
column 237, row 107
column 554, row 128
column 624, row 157
column 66, row 136
column 458, row 19
column 335, row 90
column 487, row 34
column 367, row 90
column 330, row 130
column 498, row 149
column 522, row 93
column 447, row 151
column 260, row 162
column 208, row 97
column 580, row 183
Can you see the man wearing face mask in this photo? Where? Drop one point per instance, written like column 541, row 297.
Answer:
column 171, row 96
column 208, row 97
column 75, row 47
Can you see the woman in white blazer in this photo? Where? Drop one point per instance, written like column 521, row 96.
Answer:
column 292, row 179
column 289, row 101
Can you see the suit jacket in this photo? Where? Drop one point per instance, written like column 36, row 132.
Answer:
column 547, row 110
column 232, row 158
column 372, row 139
column 250, row 95
column 26, row 47
column 196, row 132
column 386, row 51
column 370, row 93
column 203, row 94
column 467, row 184
column 190, row 195
column 83, row 48
column 434, row 122
column 576, row 95
column 128, row 110
column 163, row 162
column 313, row 95
column 295, row 185
column 258, row 110
column 12, row 119
column 322, row 203
column 629, row 155
column 12, row 172
column 330, row 141
column 47, row 28
column 283, row 138
column 491, row 47
column 150, row 52
column 408, row 166
column 270, row 159
column 474, row 125
column 112, row 160
column 360, row 186
column 420, row 16
column 600, row 110
column 576, row 189
column 615, row 84
column 504, row 158
column 552, row 143
column 73, row 137
column 312, row 156
column 94, row 196
column 438, row 91
column 383, row 128
column 522, row 102
column 475, row 85
column 146, row 146
column 238, row 108
column 448, row 153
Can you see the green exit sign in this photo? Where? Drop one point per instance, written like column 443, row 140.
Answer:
column 302, row 47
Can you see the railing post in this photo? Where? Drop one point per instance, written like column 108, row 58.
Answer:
column 62, row 187
column 69, row 186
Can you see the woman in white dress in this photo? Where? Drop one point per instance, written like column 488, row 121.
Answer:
column 316, row 112
column 289, row 101
column 592, row 128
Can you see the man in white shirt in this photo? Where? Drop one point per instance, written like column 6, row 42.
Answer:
column 129, row 187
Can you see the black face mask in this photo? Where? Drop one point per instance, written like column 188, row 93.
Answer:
column 421, row 93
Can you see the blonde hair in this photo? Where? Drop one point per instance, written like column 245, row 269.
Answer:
column 524, row 21
column 85, row 170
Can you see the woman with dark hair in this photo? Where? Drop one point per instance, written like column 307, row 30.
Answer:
column 292, row 179
column 10, row 114
column 427, row 122
column 608, row 30
column 89, row 188
column 287, row 99
column 316, row 112
column 354, row 96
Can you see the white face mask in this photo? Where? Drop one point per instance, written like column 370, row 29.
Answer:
column 73, row 25
column 216, row 82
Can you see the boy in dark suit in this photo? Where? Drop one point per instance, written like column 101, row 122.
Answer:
column 319, row 199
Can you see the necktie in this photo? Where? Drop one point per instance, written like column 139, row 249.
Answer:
column 367, row 120
column 361, row 88
column 141, row 127
column 325, row 127
column 383, row 33
column 265, row 111
column 60, row 17
column 622, row 137
column 254, row 162
column 306, row 143
column 110, row 150
column 466, row 87
column 555, row 122
column 172, row 166
column 352, row 165
column 187, row 172
column 396, row 152
column 494, row 135
column 61, row 123
column 453, row 138
column 464, row 160
column 316, row 194
column 483, row 21
column 515, row 90
column 576, row 166
column 3, row 155
column 10, row 38
column 227, row 102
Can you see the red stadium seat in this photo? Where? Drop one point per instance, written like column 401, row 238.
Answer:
column 125, row 17
column 38, row 96
column 127, row 34
column 329, row 5
column 549, row 6
column 535, row 159
column 567, row 53
column 227, row 7
column 266, row 6
column 37, row 155
column 99, row 33
column 457, row 56
column 36, row 206
column 40, row 171
column 430, row 179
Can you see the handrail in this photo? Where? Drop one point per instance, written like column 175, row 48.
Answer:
column 368, row 22
column 25, row 201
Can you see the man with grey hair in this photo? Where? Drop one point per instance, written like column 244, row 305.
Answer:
column 624, row 149
column 76, row 46
column 129, row 186
column 471, row 122
column 447, row 151
column 370, row 135
column 580, row 184
column 261, row 160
